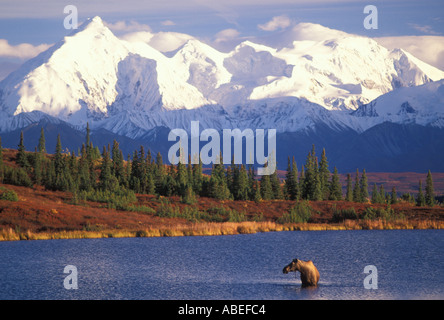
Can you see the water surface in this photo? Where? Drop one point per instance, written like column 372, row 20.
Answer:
column 409, row 264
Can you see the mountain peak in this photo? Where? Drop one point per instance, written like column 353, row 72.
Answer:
column 96, row 22
column 92, row 26
column 92, row 75
column 316, row 32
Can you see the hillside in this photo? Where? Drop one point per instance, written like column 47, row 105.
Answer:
column 39, row 213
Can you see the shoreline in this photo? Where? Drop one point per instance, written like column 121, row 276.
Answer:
column 220, row 229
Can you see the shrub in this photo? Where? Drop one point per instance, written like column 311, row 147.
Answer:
column 141, row 209
column 165, row 210
column 217, row 214
column 141, row 234
column 189, row 197
column 16, row 176
column 344, row 214
column 193, row 214
column 371, row 213
column 299, row 213
column 235, row 216
column 7, row 194
column 118, row 199
column 258, row 217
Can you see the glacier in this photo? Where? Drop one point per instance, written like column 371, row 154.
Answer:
column 297, row 84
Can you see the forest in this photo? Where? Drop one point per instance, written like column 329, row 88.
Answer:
column 94, row 174
column 104, row 194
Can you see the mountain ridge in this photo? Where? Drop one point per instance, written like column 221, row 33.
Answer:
column 92, row 75
column 346, row 83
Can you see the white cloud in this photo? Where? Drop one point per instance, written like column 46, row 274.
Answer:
column 162, row 41
column 226, row 35
column 168, row 41
column 21, row 51
column 298, row 32
column 226, row 40
column 124, row 26
column 429, row 49
column 278, row 22
column 423, row 29
column 168, row 23
column 228, row 9
column 140, row 36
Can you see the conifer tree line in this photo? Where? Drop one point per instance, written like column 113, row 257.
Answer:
column 144, row 173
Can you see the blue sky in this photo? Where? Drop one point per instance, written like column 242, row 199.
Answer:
column 28, row 26
column 38, row 22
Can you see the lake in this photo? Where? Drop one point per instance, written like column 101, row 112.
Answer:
column 239, row 267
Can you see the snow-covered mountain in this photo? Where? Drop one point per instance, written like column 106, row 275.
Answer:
column 422, row 105
column 307, row 87
column 130, row 87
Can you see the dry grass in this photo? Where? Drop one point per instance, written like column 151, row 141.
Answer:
column 218, row 229
column 41, row 214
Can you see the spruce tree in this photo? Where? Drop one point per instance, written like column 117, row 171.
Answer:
column 233, row 178
column 393, row 196
column 128, row 171
column 296, row 185
column 143, row 170
column 22, row 159
column 382, row 195
column 311, row 186
column 218, row 181
column 160, row 173
column 375, row 194
column 302, row 184
column 58, row 157
column 363, row 184
column 317, row 192
column 150, row 181
column 190, row 177
column 73, row 166
column 287, row 185
column 266, row 188
column 429, row 190
column 420, row 199
column 291, row 181
column 197, row 177
column 276, row 185
column 38, row 176
column 84, row 176
column 41, row 148
column 335, row 192
column 134, row 181
column 257, row 192
column 181, row 179
column 252, row 183
column 357, row 189
column 2, row 171
column 107, row 181
column 324, row 176
column 349, row 192
column 242, row 187
column 118, row 169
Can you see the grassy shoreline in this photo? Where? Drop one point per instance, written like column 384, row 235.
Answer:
column 39, row 214
column 221, row 228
